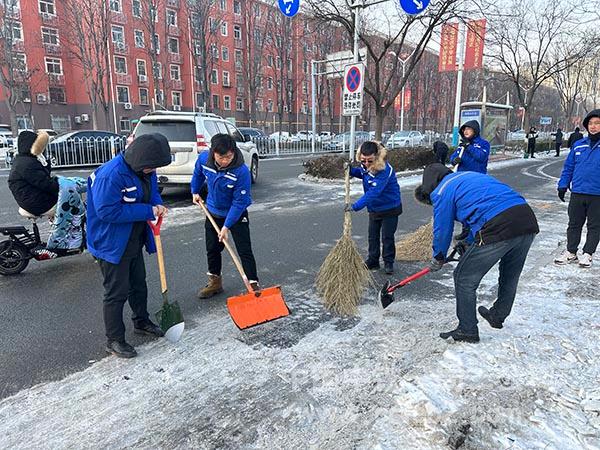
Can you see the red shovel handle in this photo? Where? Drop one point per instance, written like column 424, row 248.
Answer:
column 156, row 228
column 413, row 277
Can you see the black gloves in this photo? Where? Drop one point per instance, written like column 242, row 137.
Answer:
column 561, row 193
column 456, row 160
column 348, row 207
column 435, row 264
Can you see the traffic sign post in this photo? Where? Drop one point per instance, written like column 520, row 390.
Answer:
column 414, row 7
column 354, row 81
column 289, row 8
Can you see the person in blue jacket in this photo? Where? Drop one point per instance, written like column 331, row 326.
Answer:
column 122, row 197
column 382, row 200
column 581, row 175
column 475, row 149
column 501, row 226
column 224, row 174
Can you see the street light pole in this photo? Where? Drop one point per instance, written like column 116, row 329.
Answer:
column 356, row 8
column 459, row 78
column 402, row 100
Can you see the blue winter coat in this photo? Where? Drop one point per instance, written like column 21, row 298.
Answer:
column 228, row 189
column 471, row 198
column 477, row 152
column 114, row 203
column 382, row 191
column 581, row 172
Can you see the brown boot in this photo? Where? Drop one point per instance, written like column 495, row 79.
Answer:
column 214, row 287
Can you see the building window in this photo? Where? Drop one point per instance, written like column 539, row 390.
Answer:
column 174, row 45
column 159, row 96
column 227, row 102
column 171, row 18
column 136, row 8
column 153, row 12
column 176, row 98
column 60, row 123
column 118, row 34
column 57, row 95
column 139, row 38
column 278, row 62
column 237, row 32
column 120, row 65
column 20, row 62
column 215, row 100
column 226, row 80
column 257, row 10
column 197, row 74
column 156, row 43
column 305, row 66
column 17, row 31
column 199, row 100
column 223, row 5
column 50, row 36
column 270, row 60
column 214, row 76
column 259, row 105
column 270, row 105
column 157, row 71
column 225, row 53
column 122, row 94
column 224, row 29
column 143, row 96
column 47, row 7
column 214, row 51
column 239, row 80
column 141, row 67
column 125, row 124
column 54, row 66
column 270, row 83
column 175, row 72
column 238, row 60
column 305, row 88
column 237, row 7
column 212, row 24
column 116, row 6
column 239, row 104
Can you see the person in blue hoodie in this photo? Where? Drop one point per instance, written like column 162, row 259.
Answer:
column 501, row 227
column 475, row 149
column 224, row 174
column 581, row 175
column 382, row 200
column 122, row 197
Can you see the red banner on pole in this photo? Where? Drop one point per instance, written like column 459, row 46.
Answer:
column 448, row 47
column 475, row 44
column 398, row 102
column 407, row 99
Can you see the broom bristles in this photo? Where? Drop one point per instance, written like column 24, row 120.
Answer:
column 342, row 278
column 417, row 245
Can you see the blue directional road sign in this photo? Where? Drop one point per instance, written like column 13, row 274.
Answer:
column 290, row 7
column 412, row 7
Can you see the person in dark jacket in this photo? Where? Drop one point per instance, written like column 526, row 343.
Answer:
column 224, row 173
column 441, row 151
column 574, row 137
column 580, row 175
column 531, row 138
column 502, row 228
column 558, row 140
column 473, row 152
column 382, row 200
column 122, row 197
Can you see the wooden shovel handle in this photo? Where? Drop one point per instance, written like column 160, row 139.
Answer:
column 159, row 253
column 234, row 256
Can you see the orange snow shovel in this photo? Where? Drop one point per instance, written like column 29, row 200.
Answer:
column 255, row 307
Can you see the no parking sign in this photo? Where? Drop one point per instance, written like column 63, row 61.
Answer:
column 354, row 82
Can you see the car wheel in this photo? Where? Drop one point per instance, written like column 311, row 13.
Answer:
column 254, row 169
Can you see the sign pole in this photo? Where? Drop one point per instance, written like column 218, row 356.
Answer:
column 355, row 60
column 459, row 77
column 313, row 75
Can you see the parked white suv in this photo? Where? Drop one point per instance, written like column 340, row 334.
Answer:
column 189, row 134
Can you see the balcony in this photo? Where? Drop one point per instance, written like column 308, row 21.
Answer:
column 174, row 30
column 49, row 19
column 173, row 3
column 118, row 18
column 177, row 85
column 55, row 79
column 124, row 79
column 175, row 58
column 121, row 48
column 52, row 49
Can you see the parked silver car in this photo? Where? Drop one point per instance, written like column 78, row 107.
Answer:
column 405, row 139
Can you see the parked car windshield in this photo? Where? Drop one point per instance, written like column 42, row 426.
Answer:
column 173, row 130
column 402, row 134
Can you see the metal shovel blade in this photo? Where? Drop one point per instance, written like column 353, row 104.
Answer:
column 385, row 297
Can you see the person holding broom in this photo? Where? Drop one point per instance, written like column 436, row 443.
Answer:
column 226, row 177
column 382, row 200
column 122, row 197
column 502, row 228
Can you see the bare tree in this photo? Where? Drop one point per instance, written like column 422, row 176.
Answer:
column 528, row 45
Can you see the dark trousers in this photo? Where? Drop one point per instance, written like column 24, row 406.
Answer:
column 382, row 230
column 472, row 267
column 558, row 146
column 240, row 232
column 531, row 150
column 583, row 207
column 123, row 282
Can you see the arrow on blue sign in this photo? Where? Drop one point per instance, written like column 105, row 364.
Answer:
column 289, row 7
column 414, row 7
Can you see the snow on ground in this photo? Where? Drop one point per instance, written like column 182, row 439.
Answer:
column 383, row 381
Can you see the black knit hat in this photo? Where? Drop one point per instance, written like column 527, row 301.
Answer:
column 25, row 141
column 593, row 113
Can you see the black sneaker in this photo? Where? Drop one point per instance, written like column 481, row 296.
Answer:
column 148, row 328
column 389, row 268
column 121, row 349
column 487, row 315
column 459, row 335
column 372, row 265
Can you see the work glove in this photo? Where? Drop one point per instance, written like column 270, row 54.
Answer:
column 561, row 193
column 348, row 207
column 456, row 160
column 436, row 264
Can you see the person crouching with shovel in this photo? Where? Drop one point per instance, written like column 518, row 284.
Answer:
column 382, row 200
column 122, row 197
column 223, row 172
column 501, row 226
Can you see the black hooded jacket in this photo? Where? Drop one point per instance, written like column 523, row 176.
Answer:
column 441, row 151
column 574, row 137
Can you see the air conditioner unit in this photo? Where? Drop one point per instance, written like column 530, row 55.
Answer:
column 176, row 107
column 142, row 78
column 85, row 118
column 77, row 119
column 42, row 99
column 127, row 105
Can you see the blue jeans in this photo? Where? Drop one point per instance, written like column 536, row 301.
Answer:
column 382, row 229
column 478, row 261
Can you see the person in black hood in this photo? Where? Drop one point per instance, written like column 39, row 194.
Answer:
column 441, row 151
column 574, row 137
column 122, row 196
column 531, row 139
column 473, row 153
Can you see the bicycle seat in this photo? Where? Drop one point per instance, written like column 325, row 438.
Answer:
column 27, row 214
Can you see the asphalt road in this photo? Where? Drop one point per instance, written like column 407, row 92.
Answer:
column 51, row 314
